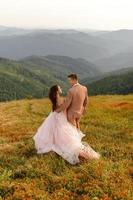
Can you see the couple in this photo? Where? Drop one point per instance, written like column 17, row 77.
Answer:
column 60, row 131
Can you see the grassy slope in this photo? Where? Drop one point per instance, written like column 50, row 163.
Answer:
column 26, row 175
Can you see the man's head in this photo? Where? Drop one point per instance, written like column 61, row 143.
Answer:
column 72, row 79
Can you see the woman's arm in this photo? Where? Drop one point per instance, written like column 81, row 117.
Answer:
column 66, row 102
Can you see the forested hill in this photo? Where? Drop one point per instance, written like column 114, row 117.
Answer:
column 118, row 82
column 34, row 75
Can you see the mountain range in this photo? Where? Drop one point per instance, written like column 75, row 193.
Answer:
column 105, row 49
column 31, row 61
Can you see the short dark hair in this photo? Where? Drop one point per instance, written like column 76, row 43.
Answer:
column 73, row 76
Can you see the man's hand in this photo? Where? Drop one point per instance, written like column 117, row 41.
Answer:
column 85, row 102
column 84, row 111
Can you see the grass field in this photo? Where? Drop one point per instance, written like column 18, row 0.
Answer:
column 25, row 175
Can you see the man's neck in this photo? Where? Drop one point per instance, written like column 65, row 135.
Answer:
column 75, row 84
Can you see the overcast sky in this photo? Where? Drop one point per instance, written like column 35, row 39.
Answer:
column 87, row 14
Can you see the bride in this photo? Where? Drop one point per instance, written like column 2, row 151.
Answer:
column 58, row 135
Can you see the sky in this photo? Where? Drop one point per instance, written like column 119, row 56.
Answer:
column 75, row 14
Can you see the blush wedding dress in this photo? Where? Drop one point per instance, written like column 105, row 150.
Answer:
column 58, row 135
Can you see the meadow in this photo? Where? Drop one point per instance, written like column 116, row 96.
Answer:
column 24, row 175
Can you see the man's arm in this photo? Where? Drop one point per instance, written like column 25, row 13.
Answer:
column 85, row 101
column 66, row 102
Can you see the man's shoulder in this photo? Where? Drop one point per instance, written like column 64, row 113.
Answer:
column 70, row 91
column 83, row 86
column 77, row 88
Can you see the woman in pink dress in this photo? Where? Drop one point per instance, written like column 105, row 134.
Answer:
column 58, row 135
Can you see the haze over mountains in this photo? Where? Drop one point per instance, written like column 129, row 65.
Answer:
column 108, row 50
column 10, row 31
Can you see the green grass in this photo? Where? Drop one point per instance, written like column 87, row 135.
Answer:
column 26, row 175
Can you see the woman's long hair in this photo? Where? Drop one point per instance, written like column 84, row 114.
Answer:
column 53, row 96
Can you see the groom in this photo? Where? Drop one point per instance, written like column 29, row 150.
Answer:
column 75, row 102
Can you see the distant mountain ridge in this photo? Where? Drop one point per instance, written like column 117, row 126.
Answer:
column 17, row 47
column 105, row 49
column 124, row 35
column 10, row 31
column 118, row 61
column 94, row 46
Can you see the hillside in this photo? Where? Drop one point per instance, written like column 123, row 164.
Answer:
column 61, row 66
column 34, row 75
column 19, row 81
column 26, row 175
column 115, row 82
